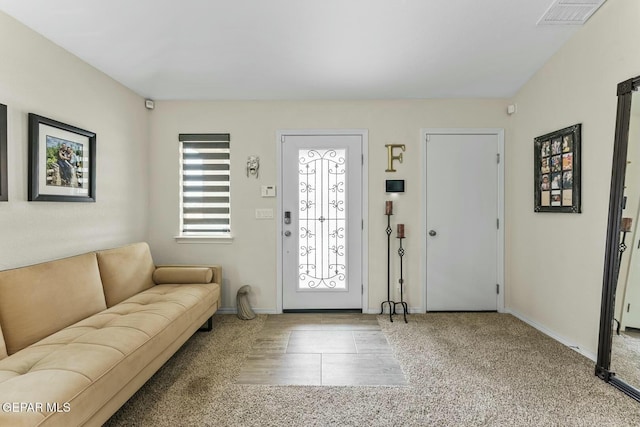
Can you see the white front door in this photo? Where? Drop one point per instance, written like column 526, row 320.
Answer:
column 462, row 222
column 321, row 216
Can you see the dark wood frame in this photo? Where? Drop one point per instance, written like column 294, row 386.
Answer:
column 575, row 132
column 4, row 186
column 611, row 264
column 35, row 193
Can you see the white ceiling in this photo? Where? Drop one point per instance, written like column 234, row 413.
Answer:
column 303, row 49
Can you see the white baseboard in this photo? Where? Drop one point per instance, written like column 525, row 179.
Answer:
column 553, row 335
column 412, row 310
column 233, row 310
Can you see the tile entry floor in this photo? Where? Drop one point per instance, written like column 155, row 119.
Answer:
column 321, row 349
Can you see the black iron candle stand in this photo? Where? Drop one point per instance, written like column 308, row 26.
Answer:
column 401, row 281
column 621, row 248
column 392, row 305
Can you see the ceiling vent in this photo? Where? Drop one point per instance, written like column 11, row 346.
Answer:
column 570, row 12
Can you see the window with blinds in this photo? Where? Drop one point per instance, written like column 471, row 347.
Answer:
column 204, row 170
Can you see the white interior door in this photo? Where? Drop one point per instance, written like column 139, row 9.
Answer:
column 462, row 222
column 321, row 221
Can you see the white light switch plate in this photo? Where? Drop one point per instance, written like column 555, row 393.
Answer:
column 264, row 213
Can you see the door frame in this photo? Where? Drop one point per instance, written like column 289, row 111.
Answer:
column 364, row 134
column 500, row 256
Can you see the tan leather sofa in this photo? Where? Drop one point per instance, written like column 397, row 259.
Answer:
column 79, row 336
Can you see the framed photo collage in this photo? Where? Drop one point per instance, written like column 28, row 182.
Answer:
column 557, row 171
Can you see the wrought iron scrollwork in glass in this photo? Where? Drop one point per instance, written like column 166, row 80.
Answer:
column 322, row 219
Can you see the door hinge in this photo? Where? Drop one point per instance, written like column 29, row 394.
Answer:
column 362, row 224
column 628, row 307
column 498, row 223
column 498, row 157
column 362, row 289
column 497, row 288
column 363, row 159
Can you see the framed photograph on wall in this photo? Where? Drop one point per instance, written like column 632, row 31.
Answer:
column 62, row 162
column 556, row 171
column 4, row 187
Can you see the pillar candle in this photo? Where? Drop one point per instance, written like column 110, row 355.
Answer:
column 388, row 207
column 400, row 230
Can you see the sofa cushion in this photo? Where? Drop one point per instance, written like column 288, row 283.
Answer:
column 41, row 299
column 88, row 363
column 125, row 271
column 177, row 275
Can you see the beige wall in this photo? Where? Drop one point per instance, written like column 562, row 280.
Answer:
column 251, row 257
column 37, row 76
column 555, row 261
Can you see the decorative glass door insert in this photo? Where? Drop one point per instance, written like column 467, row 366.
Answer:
column 322, row 219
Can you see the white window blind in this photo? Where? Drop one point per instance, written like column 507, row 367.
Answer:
column 205, row 168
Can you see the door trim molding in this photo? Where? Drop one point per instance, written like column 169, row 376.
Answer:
column 364, row 134
column 499, row 132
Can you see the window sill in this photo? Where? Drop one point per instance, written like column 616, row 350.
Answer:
column 204, row 239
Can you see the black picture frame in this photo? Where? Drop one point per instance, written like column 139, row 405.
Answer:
column 4, row 185
column 557, row 170
column 53, row 175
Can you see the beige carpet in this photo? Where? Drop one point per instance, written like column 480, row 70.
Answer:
column 481, row 369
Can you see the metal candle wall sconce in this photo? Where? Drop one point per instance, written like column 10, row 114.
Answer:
column 253, row 164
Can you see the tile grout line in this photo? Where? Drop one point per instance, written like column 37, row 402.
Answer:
column 286, row 347
column 355, row 344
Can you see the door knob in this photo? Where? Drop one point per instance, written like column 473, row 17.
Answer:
column 432, row 233
column 287, row 233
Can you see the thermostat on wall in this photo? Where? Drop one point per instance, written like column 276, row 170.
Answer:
column 268, row 191
column 395, row 185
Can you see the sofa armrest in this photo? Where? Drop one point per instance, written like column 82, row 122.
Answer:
column 181, row 274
